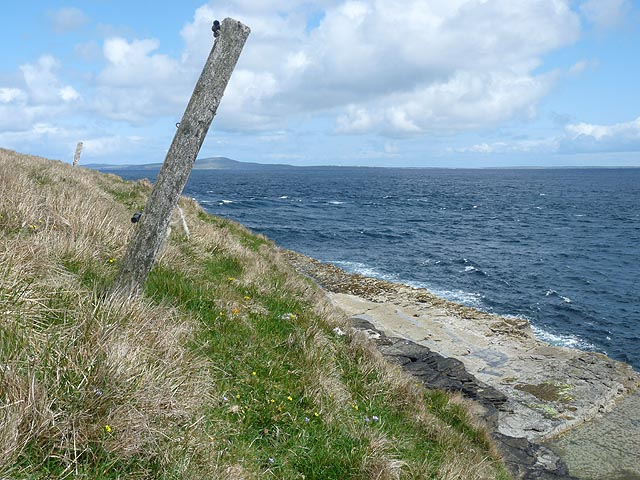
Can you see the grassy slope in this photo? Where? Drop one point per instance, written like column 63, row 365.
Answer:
column 227, row 367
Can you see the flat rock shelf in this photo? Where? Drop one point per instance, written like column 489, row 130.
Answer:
column 529, row 392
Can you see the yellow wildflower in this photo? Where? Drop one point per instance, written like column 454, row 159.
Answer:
column 290, row 398
column 107, row 428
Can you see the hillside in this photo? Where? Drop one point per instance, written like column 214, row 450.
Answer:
column 230, row 365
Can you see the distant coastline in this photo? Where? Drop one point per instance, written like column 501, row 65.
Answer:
column 225, row 163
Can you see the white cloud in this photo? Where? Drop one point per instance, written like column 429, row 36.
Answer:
column 544, row 145
column 355, row 120
column 576, row 138
column 245, row 105
column 109, row 145
column 41, row 97
column 68, row 93
column 43, row 84
column 33, row 133
column 400, row 121
column 132, row 64
column 297, row 62
column 402, row 67
column 10, row 95
column 396, row 67
column 606, row 13
column 618, row 137
column 628, row 130
column 467, row 101
column 138, row 84
column 67, row 19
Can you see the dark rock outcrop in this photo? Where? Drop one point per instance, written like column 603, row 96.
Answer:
column 524, row 459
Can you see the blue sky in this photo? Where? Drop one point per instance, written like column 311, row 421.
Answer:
column 447, row 83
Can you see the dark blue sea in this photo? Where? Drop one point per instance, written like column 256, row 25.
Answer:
column 560, row 247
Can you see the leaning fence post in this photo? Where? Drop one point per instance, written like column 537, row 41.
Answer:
column 192, row 129
column 76, row 157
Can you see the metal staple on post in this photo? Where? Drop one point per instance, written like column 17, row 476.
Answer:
column 150, row 230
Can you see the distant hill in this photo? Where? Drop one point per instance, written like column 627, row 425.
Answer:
column 211, row 163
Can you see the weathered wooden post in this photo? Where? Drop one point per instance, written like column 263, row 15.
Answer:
column 76, row 157
column 192, row 129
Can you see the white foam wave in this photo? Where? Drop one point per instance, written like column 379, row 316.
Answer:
column 469, row 268
column 283, row 197
column 561, row 340
column 468, row 299
column 364, row 269
column 430, row 261
column 554, row 293
column 226, row 202
column 335, row 202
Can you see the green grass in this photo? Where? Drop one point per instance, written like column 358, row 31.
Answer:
column 270, row 422
column 264, row 416
column 129, row 194
column 246, row 238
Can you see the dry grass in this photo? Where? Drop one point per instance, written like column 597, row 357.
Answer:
column 72, row 363
column 191, row 380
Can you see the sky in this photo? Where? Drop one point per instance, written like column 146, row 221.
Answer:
column 406, row 83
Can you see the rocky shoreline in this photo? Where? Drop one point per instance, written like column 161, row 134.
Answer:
column 528, row 390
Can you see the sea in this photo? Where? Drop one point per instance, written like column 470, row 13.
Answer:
column 559, row 247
